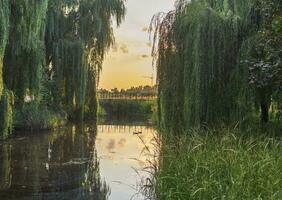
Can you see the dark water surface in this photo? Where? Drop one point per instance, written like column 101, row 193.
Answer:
column 77, row 162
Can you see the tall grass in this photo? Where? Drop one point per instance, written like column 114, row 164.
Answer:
column 222, row 164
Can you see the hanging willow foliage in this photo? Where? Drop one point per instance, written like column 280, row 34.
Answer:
column 24, row 55
column 102, row 12
column 52, row 52
column 4, row 26
column 197, row 50
column 6, row 97
column 6, row 114
column 78, row 34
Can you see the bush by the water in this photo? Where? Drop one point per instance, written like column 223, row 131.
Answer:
column 220, row 165
column 121, row 108
column 37, row 117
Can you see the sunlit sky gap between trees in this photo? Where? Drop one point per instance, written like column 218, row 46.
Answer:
column 130, row 59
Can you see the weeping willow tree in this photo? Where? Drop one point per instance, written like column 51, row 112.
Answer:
column 197, row 52
column 4, row 26
column 6, row 166
column 21, row 55
column 51, row 52
column 77, row 36
column 6, row 97
column 24, row 56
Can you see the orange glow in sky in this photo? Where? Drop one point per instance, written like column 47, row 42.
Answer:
column 130, row 59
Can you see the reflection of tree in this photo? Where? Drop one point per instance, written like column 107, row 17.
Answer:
column 94, row 187
column 62, row 165
column 5, row 166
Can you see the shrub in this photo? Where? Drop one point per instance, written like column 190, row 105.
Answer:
column 37, row 117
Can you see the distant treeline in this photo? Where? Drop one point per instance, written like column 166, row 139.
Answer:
column 131, row 93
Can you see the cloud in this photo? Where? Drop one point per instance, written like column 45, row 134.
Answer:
column 122, row 142
column 108, row 157
column 145, row 29
column 124, row 48
column 144, row 56
column 111, row 145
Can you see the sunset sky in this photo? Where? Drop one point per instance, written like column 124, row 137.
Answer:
column 130, row 60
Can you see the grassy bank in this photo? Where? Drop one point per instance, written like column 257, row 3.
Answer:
column 221, row 164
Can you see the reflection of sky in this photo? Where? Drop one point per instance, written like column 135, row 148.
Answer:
column 130, row 59
column 120, row 152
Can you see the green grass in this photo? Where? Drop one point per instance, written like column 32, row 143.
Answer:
column 220, row 165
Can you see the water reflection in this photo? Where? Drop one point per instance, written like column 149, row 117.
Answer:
column 77, row 162
column 5, row 169
column 123, row 157
column 60, row 165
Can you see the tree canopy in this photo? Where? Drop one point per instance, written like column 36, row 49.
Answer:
column 52, row 53
column 77, row 37
column 199, row 49
column 6, row 97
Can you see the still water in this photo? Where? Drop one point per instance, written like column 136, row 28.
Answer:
column 77, row 162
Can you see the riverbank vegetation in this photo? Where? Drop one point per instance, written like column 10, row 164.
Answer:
column 135, row 103
column 125, row 109
column 220, row 164
column 219, row 66
column 218, row 62
column 51, row 53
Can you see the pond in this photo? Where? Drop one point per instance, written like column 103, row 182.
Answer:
column 77, row 162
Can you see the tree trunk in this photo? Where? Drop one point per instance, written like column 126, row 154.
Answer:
column 264, row 112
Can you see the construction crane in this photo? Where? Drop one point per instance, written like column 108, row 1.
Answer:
column 151, row 78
